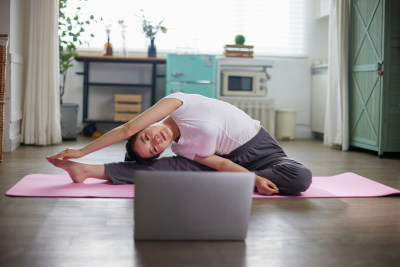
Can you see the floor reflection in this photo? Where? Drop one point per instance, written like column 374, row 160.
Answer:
column 201, row 253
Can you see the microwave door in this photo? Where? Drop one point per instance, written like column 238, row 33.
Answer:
column 238, row 85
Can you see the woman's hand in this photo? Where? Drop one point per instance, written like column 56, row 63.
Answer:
column 69, row 153
column 265, row 186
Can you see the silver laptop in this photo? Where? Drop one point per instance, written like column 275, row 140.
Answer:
column 183, row 205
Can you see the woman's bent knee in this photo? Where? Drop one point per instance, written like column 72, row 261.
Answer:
column 304, row 179
column 299, row 183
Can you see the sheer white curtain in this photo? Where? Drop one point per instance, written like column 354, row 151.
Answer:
column 41, row 109
column 337, row 109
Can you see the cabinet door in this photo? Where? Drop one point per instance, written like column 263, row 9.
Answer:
column 191, row 68
column 366, row 60
column 207, row 90
column 391, row 93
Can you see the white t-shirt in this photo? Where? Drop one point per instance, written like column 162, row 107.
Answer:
column 210, row 126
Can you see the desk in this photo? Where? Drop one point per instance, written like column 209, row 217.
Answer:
column 88, row 60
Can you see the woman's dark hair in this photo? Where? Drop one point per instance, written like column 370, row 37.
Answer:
column 132, row 155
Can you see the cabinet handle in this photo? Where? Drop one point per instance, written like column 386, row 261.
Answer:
column 177, row 74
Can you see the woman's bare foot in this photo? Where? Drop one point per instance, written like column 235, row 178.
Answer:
column 79, row 172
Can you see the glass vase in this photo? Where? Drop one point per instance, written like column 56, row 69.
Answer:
column 152, row 51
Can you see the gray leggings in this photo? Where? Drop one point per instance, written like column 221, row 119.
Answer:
column 261, row 155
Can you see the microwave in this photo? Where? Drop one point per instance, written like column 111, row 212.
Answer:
column 244, row 83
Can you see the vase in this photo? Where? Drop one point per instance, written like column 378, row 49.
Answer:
column 108, row 48
column 152, row 51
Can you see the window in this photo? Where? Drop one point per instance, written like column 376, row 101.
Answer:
column 275, row 28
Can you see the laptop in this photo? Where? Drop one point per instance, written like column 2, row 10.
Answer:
column 185, row 205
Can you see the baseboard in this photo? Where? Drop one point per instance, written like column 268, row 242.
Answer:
column 10, row 144
column 303, row 132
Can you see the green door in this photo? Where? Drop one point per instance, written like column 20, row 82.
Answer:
column 366, row 64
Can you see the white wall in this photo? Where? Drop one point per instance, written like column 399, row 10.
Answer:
column 5, row 16
column 11, row 22
column 319, row 39
column 290, row 87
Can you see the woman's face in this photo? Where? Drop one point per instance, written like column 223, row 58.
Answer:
column 153, row 140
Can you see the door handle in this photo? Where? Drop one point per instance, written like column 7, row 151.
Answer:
column 380, row 71
column 191, row 82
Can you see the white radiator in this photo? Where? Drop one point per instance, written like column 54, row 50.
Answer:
column 259, row 109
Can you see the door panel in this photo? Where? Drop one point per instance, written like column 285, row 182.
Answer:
column 366, row 59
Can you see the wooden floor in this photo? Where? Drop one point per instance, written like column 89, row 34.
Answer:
column 282, row 232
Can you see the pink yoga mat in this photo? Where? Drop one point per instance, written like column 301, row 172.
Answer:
column 43, row 185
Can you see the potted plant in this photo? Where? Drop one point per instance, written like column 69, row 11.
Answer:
column 70, row 30
column 240, row 39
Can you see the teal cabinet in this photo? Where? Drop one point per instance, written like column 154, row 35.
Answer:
column 200, row 89
column 192, row 74
column 374, row 75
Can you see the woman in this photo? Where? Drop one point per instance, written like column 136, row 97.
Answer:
column 202, row 131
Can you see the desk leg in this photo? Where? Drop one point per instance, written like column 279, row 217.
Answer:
column 89, row 128
column 85, row 91
column 153, row 83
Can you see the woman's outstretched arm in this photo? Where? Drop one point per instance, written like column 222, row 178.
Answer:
column 160, row 110
column 264, row 186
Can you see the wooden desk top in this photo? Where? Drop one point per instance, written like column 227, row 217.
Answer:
column 120, row 59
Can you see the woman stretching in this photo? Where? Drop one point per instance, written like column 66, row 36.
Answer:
column 206, row 134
